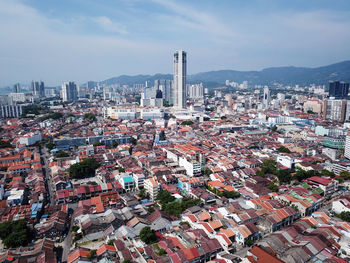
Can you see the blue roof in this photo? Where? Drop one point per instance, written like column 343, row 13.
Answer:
column 128, row 179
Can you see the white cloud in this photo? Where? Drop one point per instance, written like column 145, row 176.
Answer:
column 192, row 18
column 107, row 24
column 35, row 46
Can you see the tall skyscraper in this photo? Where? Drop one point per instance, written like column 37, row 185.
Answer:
column 69, row 91
column 266, row 99
column 17, row 88
column 338, row 90
column 180, row 61
column 38, row 88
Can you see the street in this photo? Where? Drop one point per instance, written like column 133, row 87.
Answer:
column 47, row 175
column 66, row 244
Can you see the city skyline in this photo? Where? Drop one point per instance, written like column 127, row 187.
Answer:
column 96, row 41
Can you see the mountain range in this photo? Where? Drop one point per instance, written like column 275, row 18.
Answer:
column 283, row 75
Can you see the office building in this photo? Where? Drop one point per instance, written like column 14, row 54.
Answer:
column 16, row 88
column 266, row 99
column 69, row 91
column 38, row 89
column 165, row 86
column 338, row 90
column 180, row 61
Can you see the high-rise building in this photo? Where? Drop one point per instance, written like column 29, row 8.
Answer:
column 167, row 90
column 17, row 88
column 38, row 89
column 228, row 98
column 180, row 61
column 11, row 111
column 266, row 99
column 69, row 91
column 195, row 91
column 347, row 146
column 338, row 90
column 334, row 110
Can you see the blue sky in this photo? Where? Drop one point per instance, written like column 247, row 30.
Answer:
column 84, row 40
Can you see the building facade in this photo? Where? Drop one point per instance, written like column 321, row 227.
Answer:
column 69, row 91
column 38, row 89
column 266, row 99
column 338, row 90
column 180, row 62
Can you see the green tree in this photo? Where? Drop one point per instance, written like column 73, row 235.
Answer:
column 345, row 175
column 273, row 187
column 184, row 223
column 174, row 208
column 61, row 154
column 150, row 209
column 50, row 145
column 148, row 235
column 274, row 128
column 115, row 144
column 302, row 174
column 327, row 173
column 78, row 237
column 5, row 144
column 15, row 233
column 133, row 141
column 207, row 171
column 260, row 173
column 92, row 254
column 269, row 167
column 187, row 123
column 84, row 169
column 345, row 216
column 284, row 176
column 111, row 242
column 283, row 149
column 53, row 115
column 161, row 252
column 89, row 117
column 143, row 194
column 165, row 197
column 31, row 110
column 162, row 136
column 231, row 194
column 95, row 144
column 249, row 242
column 75, row 228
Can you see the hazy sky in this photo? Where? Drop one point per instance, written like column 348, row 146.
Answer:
column 84, row 40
